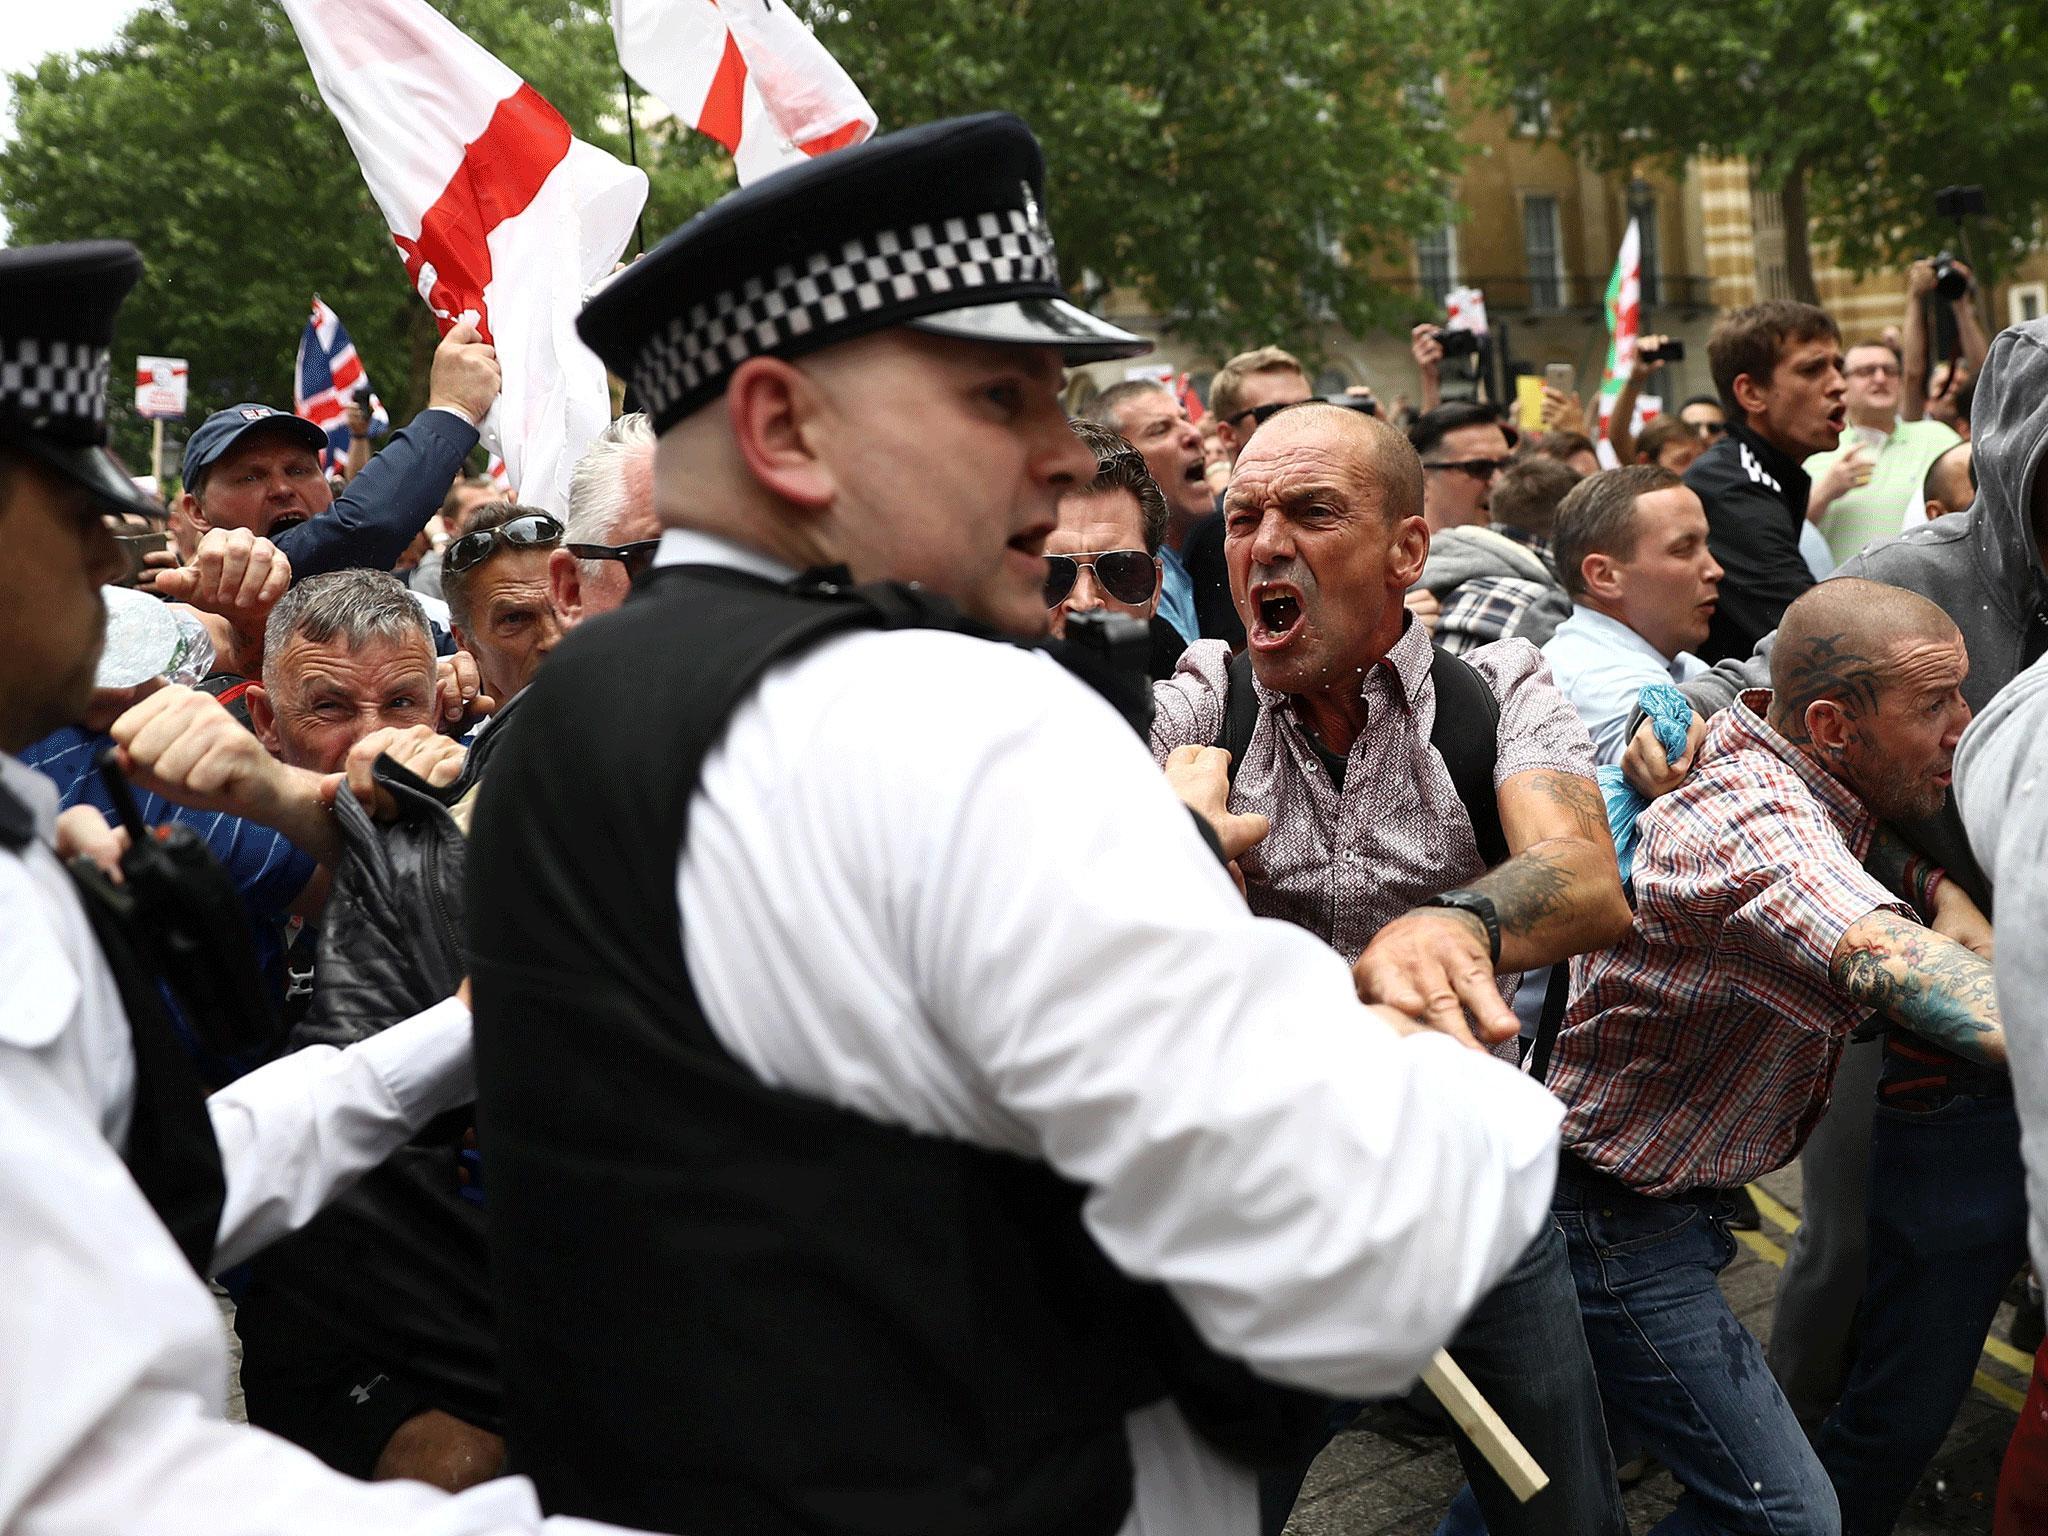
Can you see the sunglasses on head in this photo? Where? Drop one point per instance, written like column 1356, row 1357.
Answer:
column 635, row 557
column 1478, row 469
column 1128, row 575
column 536, row 530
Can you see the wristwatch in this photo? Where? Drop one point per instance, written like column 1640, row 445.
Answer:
column 1480, row 907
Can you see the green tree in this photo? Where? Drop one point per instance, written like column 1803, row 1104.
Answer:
column 199, row 135
column 1244, row 168
column 1853, row 111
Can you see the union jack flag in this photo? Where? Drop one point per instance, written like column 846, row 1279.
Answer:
column 327, row 377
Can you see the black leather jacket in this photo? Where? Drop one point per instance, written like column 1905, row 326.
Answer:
column 396, row 1267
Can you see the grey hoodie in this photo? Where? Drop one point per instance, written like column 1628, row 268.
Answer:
column 1459, row 555
column 1981, row 565
column 2002, row 786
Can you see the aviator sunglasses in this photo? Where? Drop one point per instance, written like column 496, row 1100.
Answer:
column 536, row 530
column 1128, row 575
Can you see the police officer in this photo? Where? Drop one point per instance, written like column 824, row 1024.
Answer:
column 120, row 1186
column 895, row 1120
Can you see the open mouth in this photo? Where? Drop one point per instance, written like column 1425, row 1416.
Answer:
column 1196, row 473
column 1278, row 615
column 289, row 520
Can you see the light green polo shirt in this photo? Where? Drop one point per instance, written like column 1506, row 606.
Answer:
column 1876, row 510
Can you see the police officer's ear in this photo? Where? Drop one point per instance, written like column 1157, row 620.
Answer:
column 777, row 412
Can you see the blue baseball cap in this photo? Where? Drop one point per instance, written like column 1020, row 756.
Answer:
column 223, row 429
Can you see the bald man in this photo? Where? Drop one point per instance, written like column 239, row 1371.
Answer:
column 1698, row 1053
column 1349, row 715
column 1951, row 484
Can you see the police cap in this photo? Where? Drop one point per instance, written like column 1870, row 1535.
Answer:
column 57, row 307
column 940, row 227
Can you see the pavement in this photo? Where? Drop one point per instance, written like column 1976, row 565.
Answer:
column 1383, row 1478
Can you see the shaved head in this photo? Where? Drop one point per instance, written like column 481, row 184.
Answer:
column 1868, row 678
column 1390, row 463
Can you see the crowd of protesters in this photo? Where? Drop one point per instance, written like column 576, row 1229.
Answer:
column 896, row 1104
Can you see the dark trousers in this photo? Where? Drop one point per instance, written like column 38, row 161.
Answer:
column 1948, row 1226
column 1525, row 1351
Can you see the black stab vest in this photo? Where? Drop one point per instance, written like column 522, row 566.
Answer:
column 726, row 1308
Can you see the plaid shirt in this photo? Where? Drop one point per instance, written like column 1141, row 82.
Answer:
column 1699, row 1052
column 1345, row 864
column 1490, row 608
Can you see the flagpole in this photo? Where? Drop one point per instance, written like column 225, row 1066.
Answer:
column 633, row 154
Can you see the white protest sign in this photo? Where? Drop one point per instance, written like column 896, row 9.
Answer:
column 1465, row 309
column 160, row 387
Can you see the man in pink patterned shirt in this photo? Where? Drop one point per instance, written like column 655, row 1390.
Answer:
column 1699, row 1052
column 1323, row 534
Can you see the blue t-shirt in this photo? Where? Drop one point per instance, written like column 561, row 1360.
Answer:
column 267, row 869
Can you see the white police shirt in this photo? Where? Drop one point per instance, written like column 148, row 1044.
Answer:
column 113, row 1363
column 941, row 883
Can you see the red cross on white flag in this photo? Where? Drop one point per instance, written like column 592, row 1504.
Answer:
column 502, row 216
column 747, row 73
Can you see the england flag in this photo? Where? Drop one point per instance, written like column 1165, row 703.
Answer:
column 502, row 216
column 747, row 73
column 327, row 379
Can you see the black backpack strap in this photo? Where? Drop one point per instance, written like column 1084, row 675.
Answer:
column 1466, row 735
column 1240, row 709
column 1555, row 996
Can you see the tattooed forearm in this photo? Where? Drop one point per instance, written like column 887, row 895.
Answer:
column 1578, row 798
column 1918, row 979
column 1529, row 890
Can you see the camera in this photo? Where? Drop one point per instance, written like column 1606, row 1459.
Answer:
column 1950, row 281
column 1672, row 351
column 1457, row 343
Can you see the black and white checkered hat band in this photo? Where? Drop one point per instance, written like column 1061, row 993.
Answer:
column 54, row 386
column 893, row 268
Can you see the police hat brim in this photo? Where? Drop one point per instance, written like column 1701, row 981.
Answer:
column 1079, row 336
column 92, row 468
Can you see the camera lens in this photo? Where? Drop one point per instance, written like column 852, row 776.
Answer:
column 1949, row 282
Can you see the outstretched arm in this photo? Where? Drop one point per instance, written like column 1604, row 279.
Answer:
column 1558, row 894
column 1918, row 979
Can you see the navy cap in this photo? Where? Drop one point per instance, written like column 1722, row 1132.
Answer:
column 223, row 429
column 57, row 308
column 939, row 227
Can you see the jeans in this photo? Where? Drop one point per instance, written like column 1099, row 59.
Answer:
column 1678, row 1370
column 1948, row 1230
column 1525, row 1351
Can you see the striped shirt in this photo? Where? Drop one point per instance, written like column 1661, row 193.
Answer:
column 1699, row 1052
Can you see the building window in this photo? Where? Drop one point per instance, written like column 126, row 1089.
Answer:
column 1436, row 262
column 1424, row 98
column 1532, row 110
column 2028, row 301
column 1543, row 251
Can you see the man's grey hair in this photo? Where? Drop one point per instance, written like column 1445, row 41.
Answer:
column 1108, row 406
column 601, row 485
column 357, row 607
